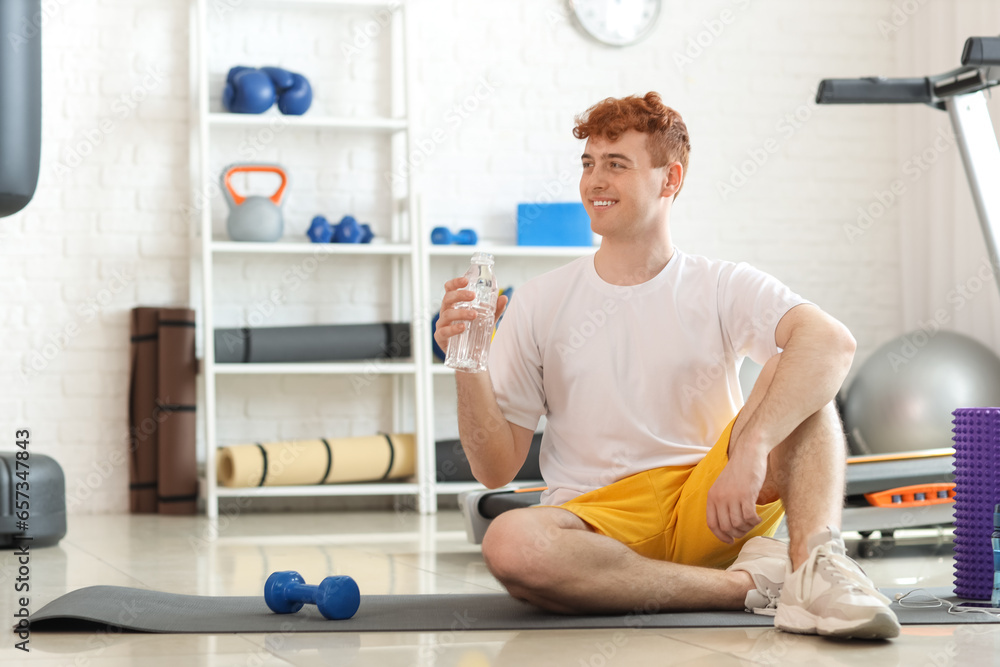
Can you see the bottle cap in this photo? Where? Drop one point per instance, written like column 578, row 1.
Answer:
column 996, row 516
column 482, row 258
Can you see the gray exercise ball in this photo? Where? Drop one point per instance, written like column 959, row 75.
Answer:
column 903, row 395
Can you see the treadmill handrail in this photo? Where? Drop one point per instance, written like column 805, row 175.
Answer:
column 981, row 52
column 930, row 90
column 875, row 90
column 980, row 70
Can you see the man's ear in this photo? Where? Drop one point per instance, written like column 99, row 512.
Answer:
column 672, row 179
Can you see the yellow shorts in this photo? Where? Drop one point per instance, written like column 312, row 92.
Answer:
column 661, row 513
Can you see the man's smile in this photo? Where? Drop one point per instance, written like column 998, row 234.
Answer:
column 603, row 203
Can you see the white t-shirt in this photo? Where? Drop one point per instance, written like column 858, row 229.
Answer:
column 631, row 378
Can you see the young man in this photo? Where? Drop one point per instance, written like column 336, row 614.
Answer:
column 663, row 490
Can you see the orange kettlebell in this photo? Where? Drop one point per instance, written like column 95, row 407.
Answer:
column 254, row 217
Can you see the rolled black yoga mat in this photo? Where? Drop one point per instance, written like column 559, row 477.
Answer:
column 325, row 342
column 453, row 464
column 97, row 607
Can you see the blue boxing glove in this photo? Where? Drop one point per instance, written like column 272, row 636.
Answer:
column 293, row 91
column 248, row 90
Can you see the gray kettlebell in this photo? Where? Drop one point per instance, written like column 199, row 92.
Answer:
column 254, row 217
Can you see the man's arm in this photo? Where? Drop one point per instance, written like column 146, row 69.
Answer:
column 495, row 447
column 817, row 352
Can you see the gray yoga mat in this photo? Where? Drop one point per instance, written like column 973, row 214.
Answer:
column 326, row 342
column 96, row 607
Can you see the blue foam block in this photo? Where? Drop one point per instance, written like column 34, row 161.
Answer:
column 560, row 224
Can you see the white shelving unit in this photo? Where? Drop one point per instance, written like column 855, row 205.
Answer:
column 400, row 253
column 408, row 252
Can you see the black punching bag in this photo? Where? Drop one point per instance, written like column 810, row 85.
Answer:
column 20, row 102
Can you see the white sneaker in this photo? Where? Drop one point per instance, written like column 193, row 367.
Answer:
column 766, row 560
column 831, row 595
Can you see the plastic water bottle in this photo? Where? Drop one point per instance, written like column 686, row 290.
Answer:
column 469, row 350
column 995, row 539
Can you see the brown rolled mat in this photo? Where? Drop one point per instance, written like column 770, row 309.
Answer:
column 142, row 411
column 162, row 464
column 319, row 461
column 177, row 462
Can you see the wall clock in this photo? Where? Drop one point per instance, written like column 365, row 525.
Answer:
column 615, row 22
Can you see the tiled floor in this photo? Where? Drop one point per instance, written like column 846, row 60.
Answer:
column 391, row 553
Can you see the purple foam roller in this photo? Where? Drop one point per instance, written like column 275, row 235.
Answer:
column 976, row 436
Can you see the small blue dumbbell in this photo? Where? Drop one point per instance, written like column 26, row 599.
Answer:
column 346, row 231
column 337, row 598
column 366, row 233
column 443, row 236
column 320, row 230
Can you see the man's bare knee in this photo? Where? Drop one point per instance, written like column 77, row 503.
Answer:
column 517, row 548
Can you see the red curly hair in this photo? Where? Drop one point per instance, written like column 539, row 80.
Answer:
column 666, row 134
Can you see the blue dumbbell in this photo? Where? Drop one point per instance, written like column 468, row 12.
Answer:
column 337, row 598
column 346, row 231
column 320, row 230
column 443, row 236
column 366, row 233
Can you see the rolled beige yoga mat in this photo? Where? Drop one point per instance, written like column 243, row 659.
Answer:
column 321, row 461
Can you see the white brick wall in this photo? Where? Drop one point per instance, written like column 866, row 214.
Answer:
column 115, row 180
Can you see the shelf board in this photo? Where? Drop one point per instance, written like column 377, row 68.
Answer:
column 443, row 488
column 306, row 122
column 461, row 487
column 512, row 250
column 306, row 248
column 310, row 490
column 336, row 538
column 284, row 4
column 370, row 366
